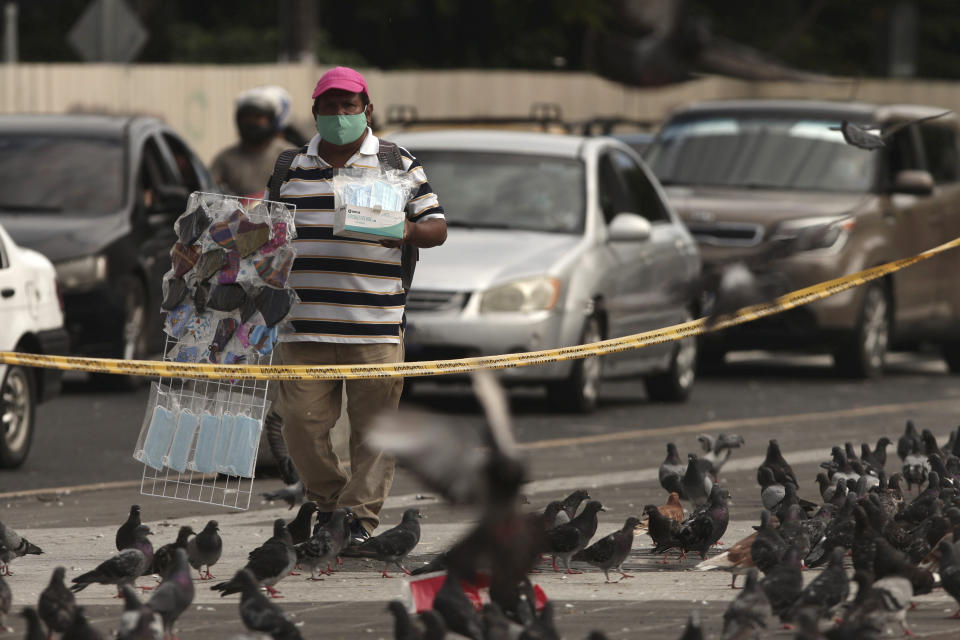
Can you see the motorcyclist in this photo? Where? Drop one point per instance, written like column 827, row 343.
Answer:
column 262, row 116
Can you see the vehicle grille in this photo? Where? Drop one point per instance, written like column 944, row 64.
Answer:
column 727, row 234
column 418, row 300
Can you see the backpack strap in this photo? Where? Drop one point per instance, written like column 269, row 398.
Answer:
column 389, row 156
column 280, row 171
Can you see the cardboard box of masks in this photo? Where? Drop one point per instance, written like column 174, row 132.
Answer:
column 368, row 223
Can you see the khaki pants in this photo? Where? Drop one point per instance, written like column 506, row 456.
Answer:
column 312, row 407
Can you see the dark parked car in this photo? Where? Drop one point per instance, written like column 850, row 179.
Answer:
column 98, row 196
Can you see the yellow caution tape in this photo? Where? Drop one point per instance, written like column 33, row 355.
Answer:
column 465, row 365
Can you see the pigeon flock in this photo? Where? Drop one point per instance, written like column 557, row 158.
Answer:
column 881, row 539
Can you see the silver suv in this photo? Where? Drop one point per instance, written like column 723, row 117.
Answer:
column 554, row 240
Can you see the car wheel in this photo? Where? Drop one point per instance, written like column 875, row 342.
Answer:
column 17, row 410
column 951, row 353
column 865, row 353
column 579, row 392
column 133, row 345
column 676, row 383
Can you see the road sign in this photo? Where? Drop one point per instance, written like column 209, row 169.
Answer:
column 108, row 32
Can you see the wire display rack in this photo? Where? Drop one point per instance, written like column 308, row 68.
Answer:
column 200, row 438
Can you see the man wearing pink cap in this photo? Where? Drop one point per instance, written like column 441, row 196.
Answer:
column 351, row 302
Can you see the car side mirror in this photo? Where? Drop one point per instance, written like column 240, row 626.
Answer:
column 914, row 182
column 629, row 226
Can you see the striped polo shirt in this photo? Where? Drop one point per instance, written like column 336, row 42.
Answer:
column 350, row 289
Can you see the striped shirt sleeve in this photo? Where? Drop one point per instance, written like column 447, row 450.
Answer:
column 424, row 204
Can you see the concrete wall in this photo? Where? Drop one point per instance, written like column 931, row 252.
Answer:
column 197, row 100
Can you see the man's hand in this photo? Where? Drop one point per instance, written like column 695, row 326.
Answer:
column 428, row 233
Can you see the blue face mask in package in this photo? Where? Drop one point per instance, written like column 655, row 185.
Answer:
column 203, row 455
column 228, row 424
column 243, row 447
column 159, row 435
column 176, row 459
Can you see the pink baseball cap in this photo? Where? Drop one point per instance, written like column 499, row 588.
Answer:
column 343, row 78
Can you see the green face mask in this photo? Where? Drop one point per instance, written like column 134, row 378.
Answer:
column 341, row 129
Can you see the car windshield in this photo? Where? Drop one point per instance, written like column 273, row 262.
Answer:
column 507, row 191
column 760, row 153
column 43, row 173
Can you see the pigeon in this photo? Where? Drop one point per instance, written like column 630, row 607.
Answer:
column 864, row 138
column 35, row 630
column 793, row 532
column 257, row 612
column 570, row 505
column 404, row 627
column 566, row 540
column 909, row 441
column 138, row 621
column 747, row 615
column 878, row 457
column 693, row 630
column 13, row 545
column 736, row 559
column 325, row 545
column 269, row 563
column 773, row 492
column 663, row 531
column 123, row 568
column 706, row 526
column 549, row 517
column 125, row 534
column 57, row 603
column 768, row 547
column 302, row 524
column 456, row 609
column 163, row 557
column 950, row 571
column 80, row 628
column 610, row 551
column 393, row 545
column 827, row 590
column 672, row 508
column 172, row 596
column 782, row 472
column 292, row 494
column 783, row 583
column 717, row 452
column 916, row 468
column 878, row 603
column 696, row 484
column 204, row 549
column 6, row 600
column 671, row 472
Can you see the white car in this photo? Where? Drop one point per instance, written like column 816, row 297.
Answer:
column 31, row 319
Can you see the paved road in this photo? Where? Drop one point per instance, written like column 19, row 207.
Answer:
column 87, row 437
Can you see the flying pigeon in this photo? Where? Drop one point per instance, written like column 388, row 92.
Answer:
column 35, row 630
column 671, row 472
column 123, row 568
column 257, row 612
column 717, row 451
column 172, row 596
column 696, row 483
column 57, row 604
column 81, row 629
column 204, row 549
column 570, row 505
column 565, row 540
column 138, row 621
column 163, row 557
column 393, row 545
column 12, row 546
column 292, row 494
column 610, row 551
column 325, row 545
column 126, row 532
column 302, row 524
column 269, row 563
column 864, row 138
column 747, row 615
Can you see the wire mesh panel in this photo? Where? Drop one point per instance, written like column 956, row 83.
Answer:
column 226, row 300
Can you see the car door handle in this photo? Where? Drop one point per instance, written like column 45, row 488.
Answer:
column 8, row 292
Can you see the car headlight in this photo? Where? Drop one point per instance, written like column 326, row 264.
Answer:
column 82, row 273
column 527, row 295
column 809, row 234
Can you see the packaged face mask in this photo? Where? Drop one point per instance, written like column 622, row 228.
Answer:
column 242, row 452
column 210, row 263
column 203, row 455
column 187, row 424
column 159, row 436
column 226, row 297
column 227, row 425
column 191, row 226
column 183, row 258
column 175, row 290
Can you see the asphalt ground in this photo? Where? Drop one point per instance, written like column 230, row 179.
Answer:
column 76, row 530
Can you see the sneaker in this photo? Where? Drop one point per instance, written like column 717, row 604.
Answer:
column 323, row 517
column 358, row 533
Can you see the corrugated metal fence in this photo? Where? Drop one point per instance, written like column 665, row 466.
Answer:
column 197, row 100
